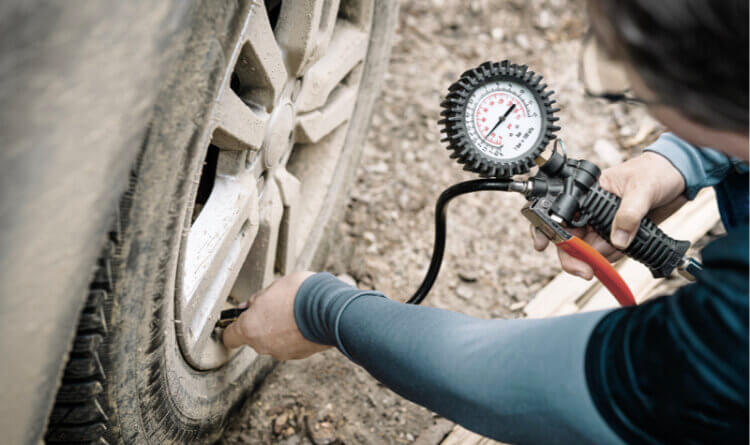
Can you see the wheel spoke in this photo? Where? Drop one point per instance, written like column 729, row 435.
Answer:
column 304, row 30
column 217, row 245
column 260, row 66
column 314, row 126
column 347, row 49
column 238, row 127
column 289, row 186
column 316, row 163
column 257, row 272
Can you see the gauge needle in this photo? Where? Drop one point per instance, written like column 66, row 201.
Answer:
column 501, row 120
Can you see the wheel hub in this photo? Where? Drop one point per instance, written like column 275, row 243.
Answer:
column 279, row 125
column 280, row 135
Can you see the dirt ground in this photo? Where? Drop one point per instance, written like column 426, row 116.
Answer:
column 490, row 268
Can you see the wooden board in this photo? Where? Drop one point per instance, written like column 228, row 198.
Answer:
column 462, row 436
column 563, row 289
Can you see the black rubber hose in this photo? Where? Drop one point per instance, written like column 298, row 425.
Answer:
column 441, row 209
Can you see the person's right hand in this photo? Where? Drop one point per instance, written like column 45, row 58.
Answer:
column 649, row 185
column 269, row 325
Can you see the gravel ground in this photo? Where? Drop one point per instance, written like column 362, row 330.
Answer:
column 490, row 268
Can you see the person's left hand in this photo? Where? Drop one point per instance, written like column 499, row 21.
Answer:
column 269, row 326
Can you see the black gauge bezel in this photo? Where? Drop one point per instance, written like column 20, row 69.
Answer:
column 454, row 125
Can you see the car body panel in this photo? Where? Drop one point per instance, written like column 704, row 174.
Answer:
column 78, row 81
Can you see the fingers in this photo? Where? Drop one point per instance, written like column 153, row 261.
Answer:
column 644, row 182
column 602, row 246
column 233, row 336
column 581, row 269
column 636, row 202
column 575, row 266
column 540, row 241
column 269, row 325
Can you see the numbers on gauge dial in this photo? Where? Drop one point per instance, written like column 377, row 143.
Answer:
column 503, row 120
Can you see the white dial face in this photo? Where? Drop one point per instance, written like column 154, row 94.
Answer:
column 503, row 119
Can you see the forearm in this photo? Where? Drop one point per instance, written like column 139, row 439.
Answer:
column 519, row 381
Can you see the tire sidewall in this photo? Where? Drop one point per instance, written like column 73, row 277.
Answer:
column 153, row 393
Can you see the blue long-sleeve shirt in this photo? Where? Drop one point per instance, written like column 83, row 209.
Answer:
column 673, row 370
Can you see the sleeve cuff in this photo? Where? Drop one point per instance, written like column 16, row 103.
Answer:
column 319, row 304
column 699, row 167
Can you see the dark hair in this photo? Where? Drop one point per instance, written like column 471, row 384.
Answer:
column 692, row 53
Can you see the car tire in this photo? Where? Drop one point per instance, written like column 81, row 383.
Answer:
column 129, row 378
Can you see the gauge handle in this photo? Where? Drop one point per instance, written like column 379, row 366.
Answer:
column 651, row 246
column 603, row 270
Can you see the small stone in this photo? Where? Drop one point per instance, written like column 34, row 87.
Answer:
column 279, row 423
column 627, row 131
column 361, row 197
column 498, row 34
column 322, row 433
column 544, row 20
column 464, row 292
column 409, row 203
column 608, row 152
column 378, row 167
column 289, row 431
column 468, row 275
column 518, row 306
column 403, row 200
column 647, row 131
column 347, row 279
column 369, row 237
column 523, row 41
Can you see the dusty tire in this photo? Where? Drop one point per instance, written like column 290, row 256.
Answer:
column 127, row 380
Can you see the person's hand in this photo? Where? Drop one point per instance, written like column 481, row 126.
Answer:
column 269, row 326
column 648, row 185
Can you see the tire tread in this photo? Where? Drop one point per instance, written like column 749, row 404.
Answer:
column 77, row 415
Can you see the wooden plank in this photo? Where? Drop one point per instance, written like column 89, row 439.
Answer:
column 563, row 289
column 436, row 433
column 462, row 436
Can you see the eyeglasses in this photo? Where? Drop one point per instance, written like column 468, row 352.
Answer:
column 604, row 77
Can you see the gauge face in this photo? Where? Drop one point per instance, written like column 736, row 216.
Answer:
column 498, row 118
column 503, row 120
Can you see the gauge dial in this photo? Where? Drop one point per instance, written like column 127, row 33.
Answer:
column 498, row 118
column 503, row 119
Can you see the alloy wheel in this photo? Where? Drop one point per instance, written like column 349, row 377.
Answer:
column 278, row 130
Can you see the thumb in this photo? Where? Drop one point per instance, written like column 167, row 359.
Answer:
column 635, row 204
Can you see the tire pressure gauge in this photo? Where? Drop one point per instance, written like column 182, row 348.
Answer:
column 498, row 118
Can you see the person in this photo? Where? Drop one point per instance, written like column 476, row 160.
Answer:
column 671, row 370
